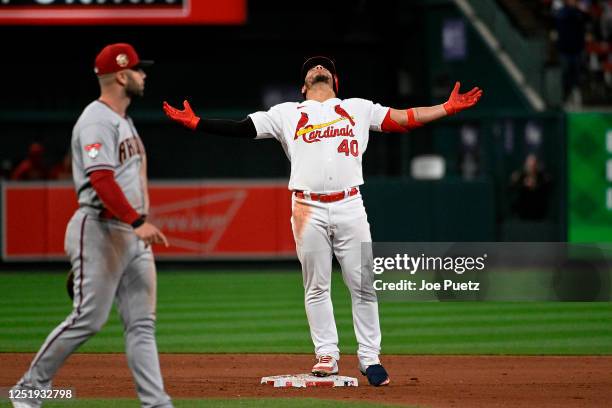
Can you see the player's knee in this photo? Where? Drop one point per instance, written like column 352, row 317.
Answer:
column 317, row 294
column 96, row 325
column 363, row 294
column 141, row 325
column 92, row 324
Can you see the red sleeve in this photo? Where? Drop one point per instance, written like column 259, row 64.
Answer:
column 389, row 125
column 103, row 181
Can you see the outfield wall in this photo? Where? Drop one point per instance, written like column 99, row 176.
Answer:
column 590, row 177
column 247, row 219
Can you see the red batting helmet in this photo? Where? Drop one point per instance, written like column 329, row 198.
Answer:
column 325, row 62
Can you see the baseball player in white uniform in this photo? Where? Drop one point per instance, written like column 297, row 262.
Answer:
column 325, row 138
column 108, row 239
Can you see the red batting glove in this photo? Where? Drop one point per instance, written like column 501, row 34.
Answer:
column 458, row 102
column 185, row 117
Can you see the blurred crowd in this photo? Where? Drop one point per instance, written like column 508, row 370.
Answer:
column 582, row 33
column 35, row 166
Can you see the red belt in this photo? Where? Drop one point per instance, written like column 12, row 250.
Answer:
column 326, row 198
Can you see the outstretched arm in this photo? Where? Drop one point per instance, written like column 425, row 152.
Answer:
column 403, row 120
column 236, row 128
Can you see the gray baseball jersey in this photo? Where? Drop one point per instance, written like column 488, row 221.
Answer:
column 108, row 260
column 103, row 140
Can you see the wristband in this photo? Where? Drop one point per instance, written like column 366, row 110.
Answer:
column 193, row 123
column 412, row 122
column 139, row 221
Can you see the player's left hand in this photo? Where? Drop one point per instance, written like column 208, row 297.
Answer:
column 185, row 117
column 458, row 102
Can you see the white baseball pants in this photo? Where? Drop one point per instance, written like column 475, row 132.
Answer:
column 322, row 230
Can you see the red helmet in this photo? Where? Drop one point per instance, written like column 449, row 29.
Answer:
column 325, row 62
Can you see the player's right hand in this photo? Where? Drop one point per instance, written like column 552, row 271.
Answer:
column 150, row 234
column 185, row 117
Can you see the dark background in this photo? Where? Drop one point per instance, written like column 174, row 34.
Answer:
column 386, row 51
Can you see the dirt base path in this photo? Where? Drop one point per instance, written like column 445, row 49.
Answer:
column 425, row 381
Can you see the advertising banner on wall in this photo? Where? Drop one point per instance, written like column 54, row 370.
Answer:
column 590, row 177
column 202, row 219
column 151, row 12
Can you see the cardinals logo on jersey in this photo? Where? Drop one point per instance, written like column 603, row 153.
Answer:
column 301, row 123
column 93, row 149
column 313, row 133
column 340, row 111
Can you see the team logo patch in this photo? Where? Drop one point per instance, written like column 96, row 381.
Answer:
column 93, row 149
column 315, row 133
column 122, row 60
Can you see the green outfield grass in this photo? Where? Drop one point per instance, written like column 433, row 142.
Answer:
column 259, row 311
column 217, row 403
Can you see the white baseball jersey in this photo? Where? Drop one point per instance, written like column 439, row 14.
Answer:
column 324, row 141
column 102, row 139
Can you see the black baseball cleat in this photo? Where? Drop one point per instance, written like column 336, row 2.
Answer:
column 377, row 375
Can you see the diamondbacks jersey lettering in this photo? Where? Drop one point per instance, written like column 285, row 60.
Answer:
column 102, row 139
column 324, row 141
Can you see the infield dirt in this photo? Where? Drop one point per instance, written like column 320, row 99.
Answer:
column 424, row 381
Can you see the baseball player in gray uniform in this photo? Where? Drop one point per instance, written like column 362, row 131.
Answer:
column 325, row 137
column 108, row 239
